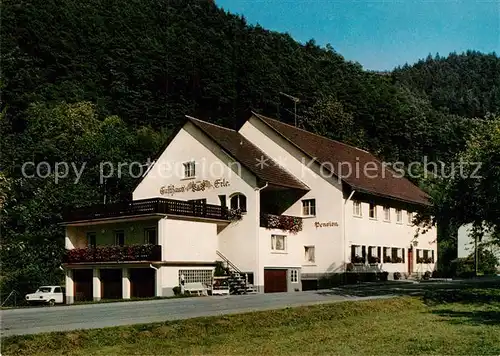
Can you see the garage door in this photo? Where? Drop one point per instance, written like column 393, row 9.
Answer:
column 142, row 282
column 275, row 280
column 82, row 282
column 111, row 283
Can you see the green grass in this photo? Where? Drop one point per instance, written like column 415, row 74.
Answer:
column 436, row 324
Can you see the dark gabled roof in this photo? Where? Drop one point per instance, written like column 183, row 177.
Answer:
column 249, row 155
column 331, row 153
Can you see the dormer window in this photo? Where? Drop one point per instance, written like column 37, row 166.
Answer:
column 189, row 169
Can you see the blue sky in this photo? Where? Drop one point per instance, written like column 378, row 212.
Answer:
column 381, row 34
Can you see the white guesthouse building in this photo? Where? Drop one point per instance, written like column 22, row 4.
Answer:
column 266, row 200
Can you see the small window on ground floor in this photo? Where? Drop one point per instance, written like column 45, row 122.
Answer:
column 196, row 275
column 294, row 276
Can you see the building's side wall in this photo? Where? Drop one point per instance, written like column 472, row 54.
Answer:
column 236, row 241
column 327, row 192
column 189, row 241
column 365, row 231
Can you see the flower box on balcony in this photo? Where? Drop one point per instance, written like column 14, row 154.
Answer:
column 114, row 254
column 373, row 260
column 292, row 224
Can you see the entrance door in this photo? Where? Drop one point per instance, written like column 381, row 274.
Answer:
column 82, row 284
column 410, row 261
column 111, row 283
column 275, row 280
column 142, row 282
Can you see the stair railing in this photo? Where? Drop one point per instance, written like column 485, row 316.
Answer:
column 228, row 262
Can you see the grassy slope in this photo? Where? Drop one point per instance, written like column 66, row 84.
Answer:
column 397, row 326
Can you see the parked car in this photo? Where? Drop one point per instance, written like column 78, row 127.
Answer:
column 50, row 295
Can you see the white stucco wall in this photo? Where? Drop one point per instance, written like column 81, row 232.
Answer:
column 330, row 249
column 365, row 231
column 190, row 241
column 236, row 241
column 327, row 193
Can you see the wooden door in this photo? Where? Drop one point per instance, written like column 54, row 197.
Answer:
column 111, row 283
column 275, row 280
column 410, row 261
column 82, row 284
column 142, row 282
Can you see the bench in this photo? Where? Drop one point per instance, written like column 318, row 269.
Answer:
column 195, row 287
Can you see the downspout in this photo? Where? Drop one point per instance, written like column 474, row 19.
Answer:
column 343, row 230
column 257, row 209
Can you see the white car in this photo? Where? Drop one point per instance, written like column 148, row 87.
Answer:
column 47, row 295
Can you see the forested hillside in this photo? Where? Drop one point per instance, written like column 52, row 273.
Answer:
column 93, row 81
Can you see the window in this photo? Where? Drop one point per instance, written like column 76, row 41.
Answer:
column 278, row 243
column 189, row 170
column 223, row 202
column 373, row 211
column 426, row 254
column 309, row 254
column 410, row 218
column 57, row 290
column 150, row 236
column 399, row 216
column 239, row 201
column 309, row 207
column 394, row 254
column 91, row 239
column 119, row 238
column 196, row 275
column 373, row 251
column 356, row 208
column 294, row 276
column 387, row 213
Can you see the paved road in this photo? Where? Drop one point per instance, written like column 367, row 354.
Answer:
column 64, row 318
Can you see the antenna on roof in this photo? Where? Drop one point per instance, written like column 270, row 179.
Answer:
column 295, row 101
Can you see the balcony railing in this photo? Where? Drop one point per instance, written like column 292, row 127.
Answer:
column 145, row 207
column 292, row 224
column 114, row 254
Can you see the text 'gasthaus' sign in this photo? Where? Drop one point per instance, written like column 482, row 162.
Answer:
column 197, row 186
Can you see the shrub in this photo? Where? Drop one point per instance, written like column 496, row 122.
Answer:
column 383, row 276
column 397, row 276
column 465, row 267
column 177, row 290
column 427, row 275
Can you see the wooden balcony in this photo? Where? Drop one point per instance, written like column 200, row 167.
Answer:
column 147, row 207
column 132, row 253
column 292, row 224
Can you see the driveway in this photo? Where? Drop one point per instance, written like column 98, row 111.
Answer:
column 64, row 318
column 90, row 316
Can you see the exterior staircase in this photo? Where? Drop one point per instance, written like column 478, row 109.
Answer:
column 237, row 280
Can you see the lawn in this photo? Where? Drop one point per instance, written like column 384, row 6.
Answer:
column 462, row 323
